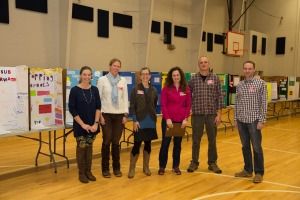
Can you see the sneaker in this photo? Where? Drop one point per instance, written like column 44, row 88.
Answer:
column 176, row 171
column 258, row 178
column 117, row 173
column 192, row 167
column 214, row 167
column 161, row 171
column 243, row 173
column 106, row 174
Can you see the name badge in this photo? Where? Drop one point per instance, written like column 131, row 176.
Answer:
column 251, row 88
column 140, row 92
column 210, row 82
column 181, row 94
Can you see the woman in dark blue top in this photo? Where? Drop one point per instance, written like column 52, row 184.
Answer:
column 85, row 106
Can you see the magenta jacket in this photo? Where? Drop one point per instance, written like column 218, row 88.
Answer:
column 175, row 104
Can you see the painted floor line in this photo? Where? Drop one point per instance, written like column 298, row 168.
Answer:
column 246, row 191
column 289, row 152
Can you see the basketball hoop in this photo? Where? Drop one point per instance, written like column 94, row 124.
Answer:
column 235, row 44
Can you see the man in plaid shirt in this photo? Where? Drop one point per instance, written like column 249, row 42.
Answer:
column 249, row 117
column 207, row 104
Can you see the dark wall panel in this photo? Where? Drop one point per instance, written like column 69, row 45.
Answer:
column 155, row 27
column 103, row 23
column 4, row 13
column 254, row 43
column 33, row 5
column 180, row 31
column 121, row 20
column 218, row 39
column 83, row 12
column 263, row 46
column 203, row 36
column 168, row 32
column 280, row 45
column 209, row 42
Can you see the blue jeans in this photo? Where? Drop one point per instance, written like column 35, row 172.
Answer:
column 198, row 122
column 249, row 132
column 164, row 148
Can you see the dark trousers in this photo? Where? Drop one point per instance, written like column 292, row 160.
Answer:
column 165, row 143
column 198, row 123
column 112, row 132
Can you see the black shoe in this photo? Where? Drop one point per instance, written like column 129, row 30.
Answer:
column 106, row 174
column 117, row 173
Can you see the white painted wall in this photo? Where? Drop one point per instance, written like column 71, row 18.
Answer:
column 87, row 48
column 57, row 40
column 178, row 13
column 274, row 27
column 31, row 38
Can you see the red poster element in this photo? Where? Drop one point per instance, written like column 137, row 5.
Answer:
column 42, row 93
column 46, row 108
column 57, row 121
column 58, row 110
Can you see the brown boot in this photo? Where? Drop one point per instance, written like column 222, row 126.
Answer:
column 88, row 163
column 80, row 157
column 115, row 152
column 133, row 160
column 146, row 158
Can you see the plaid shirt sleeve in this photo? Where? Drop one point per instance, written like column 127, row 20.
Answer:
column 220, row 99
column 264, row 102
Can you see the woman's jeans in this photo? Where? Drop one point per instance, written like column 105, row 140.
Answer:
column 163, row 153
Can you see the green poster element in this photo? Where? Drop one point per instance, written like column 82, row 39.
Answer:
column 187, row 76
column 224, row 83
column 32, row 93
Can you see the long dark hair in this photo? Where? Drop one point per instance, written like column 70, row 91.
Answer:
column 84, row 68
column 169, row 81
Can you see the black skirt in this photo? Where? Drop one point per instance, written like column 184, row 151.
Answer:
column 146, row 134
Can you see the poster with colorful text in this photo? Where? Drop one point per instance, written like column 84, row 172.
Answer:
column 46, row 97
column 14, row 98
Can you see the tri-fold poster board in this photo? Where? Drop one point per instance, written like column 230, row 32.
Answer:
column 72, row 79
column 46, row 97
column 14, row 99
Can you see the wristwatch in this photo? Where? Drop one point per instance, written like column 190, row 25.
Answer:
column 97, row 122
column 186, row 119
column 125, row 115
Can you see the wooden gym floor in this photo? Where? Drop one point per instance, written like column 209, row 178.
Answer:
column 21, row 179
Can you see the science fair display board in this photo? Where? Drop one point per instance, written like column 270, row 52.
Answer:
column 14, row 99
column 72, row 79
column 46, row 97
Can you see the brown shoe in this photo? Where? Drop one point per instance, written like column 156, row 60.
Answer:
column 214, row 167
column 243, row 173
column 192, row 167
column 258, row 178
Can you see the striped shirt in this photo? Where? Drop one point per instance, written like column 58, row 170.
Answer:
column 251, row 101
column 207, row 95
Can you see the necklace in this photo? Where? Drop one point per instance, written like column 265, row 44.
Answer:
column 85, row 97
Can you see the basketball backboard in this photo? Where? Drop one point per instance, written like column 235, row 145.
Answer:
column 235, row 44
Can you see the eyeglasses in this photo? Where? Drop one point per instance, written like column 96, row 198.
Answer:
column 145, row 74
column 205, row 62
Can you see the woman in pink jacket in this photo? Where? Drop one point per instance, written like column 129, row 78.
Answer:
column 176, row 105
